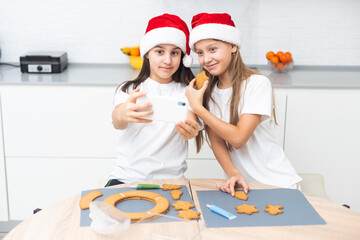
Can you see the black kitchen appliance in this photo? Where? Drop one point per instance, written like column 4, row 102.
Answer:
column 43, row 62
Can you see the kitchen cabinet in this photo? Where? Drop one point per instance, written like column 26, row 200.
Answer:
column 40, row 182
column 58, row 121
column 322, row 136
column 3, row 188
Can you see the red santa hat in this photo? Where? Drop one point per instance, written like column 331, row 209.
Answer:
column 167, row 29
column 214, row 26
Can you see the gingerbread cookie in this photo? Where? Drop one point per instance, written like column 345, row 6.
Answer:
column 247, row 209
column 182, row 205
column 166, row 187
column 88, row 198
column 241, row 195
column 200, row 79
column 175, row 194
column 189, row 214
column 273, row 210
column 161, row 203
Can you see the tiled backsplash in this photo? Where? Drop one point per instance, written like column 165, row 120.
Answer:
column 320, row 32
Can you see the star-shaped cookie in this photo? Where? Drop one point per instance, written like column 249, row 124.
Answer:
column 247, row 209
column 274, row 210
column 182, row 205
column 241, row 195
column 189, row 214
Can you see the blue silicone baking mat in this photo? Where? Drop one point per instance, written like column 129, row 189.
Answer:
column 297, row 209
column 136, row 205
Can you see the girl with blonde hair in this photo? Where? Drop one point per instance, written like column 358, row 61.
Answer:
column 237, row 106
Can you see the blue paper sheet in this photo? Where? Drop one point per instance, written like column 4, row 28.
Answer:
column 136, row 205
column 297, row 209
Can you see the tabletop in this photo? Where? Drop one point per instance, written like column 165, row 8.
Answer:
column 62, row 221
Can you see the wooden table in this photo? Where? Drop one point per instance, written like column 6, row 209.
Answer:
column 62, row 221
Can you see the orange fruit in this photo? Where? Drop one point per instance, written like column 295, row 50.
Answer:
column 269, row 55
column 289, row 56
column 284, row 58
column 135, row 51
column 279, row 53
column 288, row 53
column 274, row 59
column 280, row 66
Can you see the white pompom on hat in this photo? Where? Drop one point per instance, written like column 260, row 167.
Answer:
column 167, row 29
column 217, row 26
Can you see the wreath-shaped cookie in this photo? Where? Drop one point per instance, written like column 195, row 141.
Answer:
column 161, row 203
column 88, row 198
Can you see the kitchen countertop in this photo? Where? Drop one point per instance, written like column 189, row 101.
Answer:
column 114, row 74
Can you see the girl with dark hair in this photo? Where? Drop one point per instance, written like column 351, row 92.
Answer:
column 155, row 150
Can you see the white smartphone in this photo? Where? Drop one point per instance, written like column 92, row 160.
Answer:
column 165, row 108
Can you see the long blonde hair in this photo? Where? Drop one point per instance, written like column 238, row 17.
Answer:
column 239, row 73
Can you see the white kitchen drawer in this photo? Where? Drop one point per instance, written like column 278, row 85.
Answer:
column 41, row 182
column 58, row 121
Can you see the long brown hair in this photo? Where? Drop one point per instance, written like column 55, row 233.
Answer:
column 239, row 72
column 183, row 75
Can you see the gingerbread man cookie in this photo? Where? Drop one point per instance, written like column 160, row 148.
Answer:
column 182, row 205
column 166, row 187
column 200, row 79
column 189, row 214
column 247, row 209
column 273, row 210
column 175, row 194
column 241, row 195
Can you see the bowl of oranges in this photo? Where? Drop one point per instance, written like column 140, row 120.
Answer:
column 280, row 62
column 134, row 56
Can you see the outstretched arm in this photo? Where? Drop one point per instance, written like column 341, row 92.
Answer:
column 128, row 111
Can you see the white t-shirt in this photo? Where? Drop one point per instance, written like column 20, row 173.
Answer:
column 150, row 150
column 261, row 159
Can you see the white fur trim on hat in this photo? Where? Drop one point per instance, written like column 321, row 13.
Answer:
column 217, row 31
column 187, row 60
column 164, row 35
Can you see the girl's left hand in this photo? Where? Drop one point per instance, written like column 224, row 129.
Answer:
column 195, row 97
column 188, row 129
column 229, row 185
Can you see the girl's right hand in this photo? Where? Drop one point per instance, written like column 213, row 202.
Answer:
column 131, row 109
column 229, row 185
column 195, row 97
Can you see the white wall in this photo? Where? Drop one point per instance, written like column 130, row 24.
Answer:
column 321, row 32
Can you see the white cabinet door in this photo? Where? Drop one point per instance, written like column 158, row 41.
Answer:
column 3, row 191
column 58, row 121
column 202, row 168
column 322, row 136
column 41, row 182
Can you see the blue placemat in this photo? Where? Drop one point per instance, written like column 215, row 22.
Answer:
column 136, row 205
column 297, row 209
